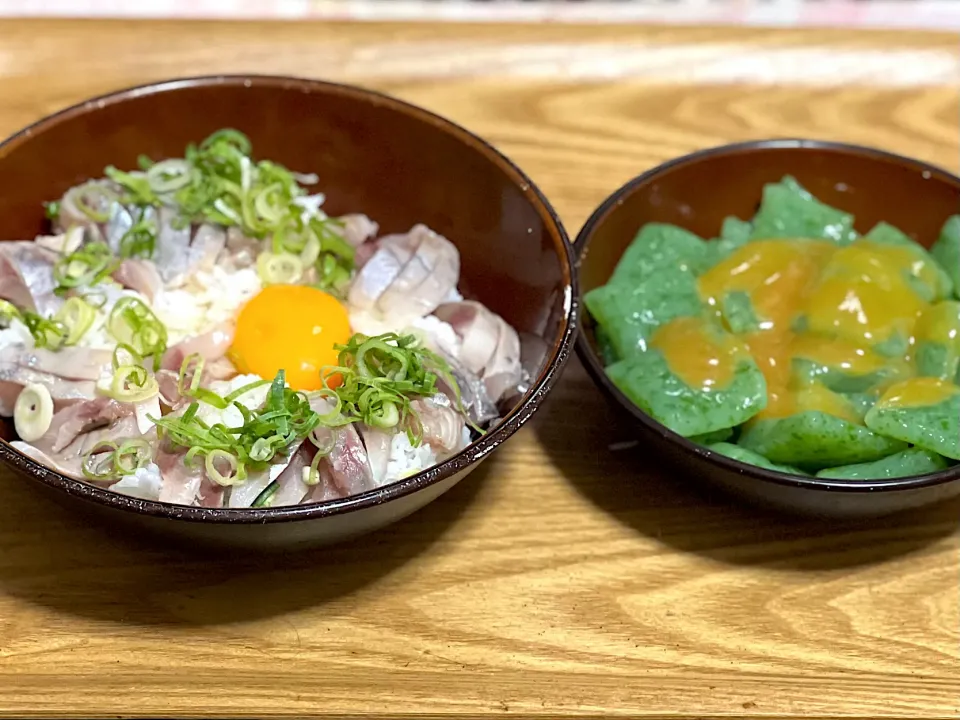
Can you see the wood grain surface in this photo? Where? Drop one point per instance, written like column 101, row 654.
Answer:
column 563, row 577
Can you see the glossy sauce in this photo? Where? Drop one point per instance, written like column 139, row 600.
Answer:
column 702, row 359
column 812, row 300
column 917, row 392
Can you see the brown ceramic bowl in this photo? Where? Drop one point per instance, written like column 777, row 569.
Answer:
column 696, row 192
column 374, row 154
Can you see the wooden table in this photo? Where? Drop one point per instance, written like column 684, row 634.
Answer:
column 561, row 578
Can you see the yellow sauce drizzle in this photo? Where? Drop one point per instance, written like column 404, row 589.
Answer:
column 940, row 323
column 847, row 300
column 917, row 392
column 703, row 359
column 864, row 295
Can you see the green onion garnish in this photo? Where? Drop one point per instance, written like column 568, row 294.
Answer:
column 87, row 266
column 140, row 240
column 133, row 324
column 93, row 199
column 379, row 376
column 136, row 186
column 285, row 418
column 77, row 315
column 108, row 461
column 52, row 209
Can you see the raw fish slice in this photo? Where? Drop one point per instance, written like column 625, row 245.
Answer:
column 502, row 373
column 478, row 330
column 378, row 273
column 172, row 254
column 82, row 417
column 348, row 464
column 442, row 425
column 70, row 214
column 208, row 242
column 64, row 243
column 210, row 494
column 211, row 346
column 139, row 275
column 426, row 280
column 181, row 483
column 70, row 363
column 26, row 277
column 291, row 490
column 243, row 495
column 69, row 460
column 377, row 444
column 240, row 251
column 357, row 228
column 473, row 394
column 14, row 376
column 119, row 224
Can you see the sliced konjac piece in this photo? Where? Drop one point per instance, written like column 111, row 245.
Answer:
column 912, row 461
column 922, row 411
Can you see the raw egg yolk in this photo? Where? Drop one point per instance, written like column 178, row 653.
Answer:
column 291, row 328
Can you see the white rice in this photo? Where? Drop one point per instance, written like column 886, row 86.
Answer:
column 145, row 483
column 207, row 299
column 406, row 460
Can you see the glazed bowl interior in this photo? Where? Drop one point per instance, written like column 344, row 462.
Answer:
column 396, row 163
column 698, row 191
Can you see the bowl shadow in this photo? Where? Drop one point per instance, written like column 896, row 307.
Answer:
column 598, row 453
column 54, row 559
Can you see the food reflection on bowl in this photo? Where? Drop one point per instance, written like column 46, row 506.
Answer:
column 808, row 355
column 260, row 316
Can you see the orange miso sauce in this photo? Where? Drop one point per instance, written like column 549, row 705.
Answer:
column 813, row 300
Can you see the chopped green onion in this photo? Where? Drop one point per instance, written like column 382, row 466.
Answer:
column 136, row 186
column 86, row 266
column 141, row 239
column 266, row 496
column 284, row 419
column 217, row 458
column 47, row 332
column 132, row 384
column 168, row 176
column 108, row 461
column 282, row 269
column 132, row 323
column 77, row 316
column 8, row 313
column 52, row 209
column 93, row 199
column 379, row 376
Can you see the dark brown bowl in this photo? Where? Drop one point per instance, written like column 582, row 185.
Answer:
column 696, row 192
column 374, row 154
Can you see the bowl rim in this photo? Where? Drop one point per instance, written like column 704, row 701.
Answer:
column 595, row 367
column 557, row 356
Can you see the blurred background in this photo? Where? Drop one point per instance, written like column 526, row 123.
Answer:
column 912, row 14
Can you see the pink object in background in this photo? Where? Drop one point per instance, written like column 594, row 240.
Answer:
column 917, row 14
